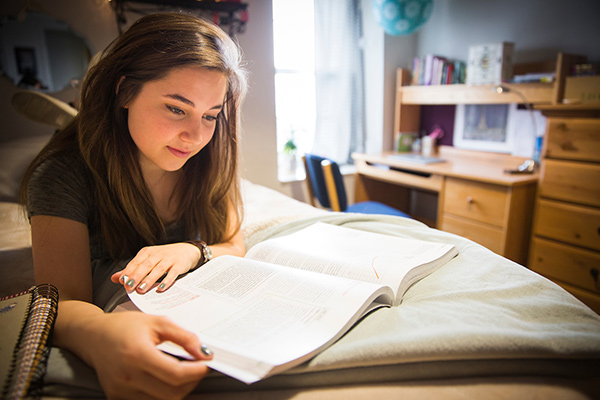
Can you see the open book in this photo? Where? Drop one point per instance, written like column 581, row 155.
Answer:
column 292, row 296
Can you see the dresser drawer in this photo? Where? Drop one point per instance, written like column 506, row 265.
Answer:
column 573, row 224
column 482, row 202
column 576, row 182
column 486, row 235
column 566, row 263
column 573, row 139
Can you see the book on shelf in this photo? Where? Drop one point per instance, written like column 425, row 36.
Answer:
column 26, row 322
column 291, row 297
column 437, row 70
column 532, row 77
column 430, row 59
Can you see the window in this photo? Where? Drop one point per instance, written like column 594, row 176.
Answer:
column 318, row 81
column 293, row 38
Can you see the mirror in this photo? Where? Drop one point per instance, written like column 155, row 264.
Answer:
column 41, row 53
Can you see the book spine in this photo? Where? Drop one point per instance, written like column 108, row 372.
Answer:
column 415, row 71
column 428, row 69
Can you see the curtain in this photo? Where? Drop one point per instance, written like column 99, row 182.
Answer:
column 339, row 129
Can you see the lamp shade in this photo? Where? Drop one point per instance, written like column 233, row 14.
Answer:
column 402, row 17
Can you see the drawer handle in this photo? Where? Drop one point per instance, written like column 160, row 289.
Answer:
column 568, row 146
column 594, row 272
column 470, row 200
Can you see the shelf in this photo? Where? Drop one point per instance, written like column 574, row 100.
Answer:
column 409, row 99
column 534, row 93
column 570, row 106
column 581, row 110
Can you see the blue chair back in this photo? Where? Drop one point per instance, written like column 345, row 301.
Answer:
column 315, row 172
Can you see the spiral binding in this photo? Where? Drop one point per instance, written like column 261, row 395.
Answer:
column 31, row 354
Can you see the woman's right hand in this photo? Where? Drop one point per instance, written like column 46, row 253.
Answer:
column 121, row 347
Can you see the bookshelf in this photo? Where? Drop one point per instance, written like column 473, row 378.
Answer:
column 409, row 99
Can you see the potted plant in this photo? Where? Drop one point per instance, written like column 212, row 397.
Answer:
column 289, row 150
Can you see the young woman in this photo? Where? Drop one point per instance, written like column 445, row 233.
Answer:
column 149, row 164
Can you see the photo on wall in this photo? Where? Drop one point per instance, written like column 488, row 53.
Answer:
column 25, row 58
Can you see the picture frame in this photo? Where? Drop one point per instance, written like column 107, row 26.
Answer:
column 485, row 127
column 25, row 59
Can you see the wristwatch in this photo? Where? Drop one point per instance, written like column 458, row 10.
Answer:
column 205, row 252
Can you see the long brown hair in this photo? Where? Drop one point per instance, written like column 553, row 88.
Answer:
column 152, row 47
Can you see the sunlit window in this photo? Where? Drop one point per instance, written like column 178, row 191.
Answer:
column 294, row 52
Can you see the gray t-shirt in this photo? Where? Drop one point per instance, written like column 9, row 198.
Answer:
column 62, row 187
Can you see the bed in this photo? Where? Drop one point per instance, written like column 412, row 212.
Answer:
column 481, row 326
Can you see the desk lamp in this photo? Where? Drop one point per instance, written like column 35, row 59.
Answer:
column 528, row 166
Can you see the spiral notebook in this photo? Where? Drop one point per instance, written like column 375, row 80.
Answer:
column 26, row 321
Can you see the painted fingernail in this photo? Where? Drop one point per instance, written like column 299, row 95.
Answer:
column 124, row 278
column 143, row 286
column 130, row 283
column 206, row 351
column 162, row 286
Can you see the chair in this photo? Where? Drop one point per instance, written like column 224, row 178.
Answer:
column 324, row 181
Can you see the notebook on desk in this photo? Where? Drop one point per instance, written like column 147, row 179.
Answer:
column 415, row 158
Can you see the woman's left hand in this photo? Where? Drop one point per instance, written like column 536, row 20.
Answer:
column 152, row 262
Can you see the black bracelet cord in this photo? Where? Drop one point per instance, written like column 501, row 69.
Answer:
column 201, row 245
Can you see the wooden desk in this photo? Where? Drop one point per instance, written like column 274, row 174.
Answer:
column 475, row 197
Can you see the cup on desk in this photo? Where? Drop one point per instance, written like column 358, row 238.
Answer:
column 428, row 145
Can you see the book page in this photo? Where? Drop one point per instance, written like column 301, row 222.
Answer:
column 256, row 316
column 355, row 254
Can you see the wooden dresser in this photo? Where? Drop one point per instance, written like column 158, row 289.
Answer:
column 565, row 245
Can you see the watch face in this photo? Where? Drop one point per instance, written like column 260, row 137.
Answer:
column 207, row 253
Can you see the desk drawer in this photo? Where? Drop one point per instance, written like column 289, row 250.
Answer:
column 576, row 182
column 486, row 235
column 416, row 179
column 566, row 263
column 573, row 224
column 573, row 139
column 482, row 202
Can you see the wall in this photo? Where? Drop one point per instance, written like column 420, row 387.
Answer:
column 259, row 137
column 539, row 28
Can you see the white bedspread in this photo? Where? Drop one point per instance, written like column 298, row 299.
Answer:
column 480, row 315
